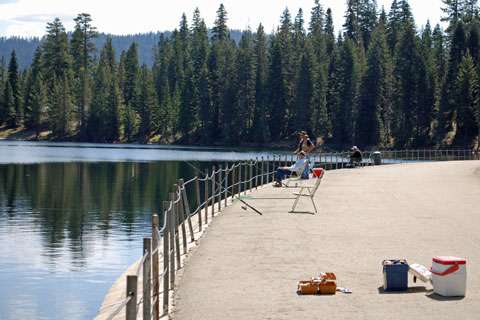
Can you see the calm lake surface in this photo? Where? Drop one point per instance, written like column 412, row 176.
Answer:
column 73, row 216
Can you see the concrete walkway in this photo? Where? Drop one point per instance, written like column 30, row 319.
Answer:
column 247, row 266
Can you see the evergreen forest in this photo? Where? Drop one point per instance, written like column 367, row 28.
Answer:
column 380, row 82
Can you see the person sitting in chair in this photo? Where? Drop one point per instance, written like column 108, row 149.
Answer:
column 355, row 158
column 282, row 171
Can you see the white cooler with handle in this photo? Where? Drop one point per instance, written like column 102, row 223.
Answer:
column 449, row 276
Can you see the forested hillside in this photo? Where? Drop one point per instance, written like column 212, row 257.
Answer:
column 378, row 82
column 25, row 47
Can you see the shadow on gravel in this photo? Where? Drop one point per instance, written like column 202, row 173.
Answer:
column 302, row 212
column 417, row 289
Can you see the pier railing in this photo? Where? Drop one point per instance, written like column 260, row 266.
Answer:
column 150, row 288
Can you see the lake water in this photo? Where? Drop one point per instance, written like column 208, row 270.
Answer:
column 73, row 216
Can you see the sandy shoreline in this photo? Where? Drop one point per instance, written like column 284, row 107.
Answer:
column 247, row 266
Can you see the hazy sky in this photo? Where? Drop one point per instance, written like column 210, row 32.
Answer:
column 29, row 18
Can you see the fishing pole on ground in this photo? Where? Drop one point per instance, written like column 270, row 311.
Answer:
column 224, row 189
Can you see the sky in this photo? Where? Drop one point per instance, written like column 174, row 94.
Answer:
column 28, row 18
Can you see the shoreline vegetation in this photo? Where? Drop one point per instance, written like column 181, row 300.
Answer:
column 25, row 134
column 381, row 83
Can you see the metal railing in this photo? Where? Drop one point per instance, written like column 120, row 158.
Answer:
column 220, row 187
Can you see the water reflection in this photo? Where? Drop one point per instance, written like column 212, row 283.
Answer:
column 71, row 228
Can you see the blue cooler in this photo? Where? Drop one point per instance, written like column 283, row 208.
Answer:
column 395, row 275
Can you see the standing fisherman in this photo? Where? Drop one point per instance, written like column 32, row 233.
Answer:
column 305, row 145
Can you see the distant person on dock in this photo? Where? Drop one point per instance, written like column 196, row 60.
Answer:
column 355, row 158
column 282, row 171
column 305, row 145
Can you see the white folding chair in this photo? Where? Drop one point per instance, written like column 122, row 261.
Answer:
column 308, row 191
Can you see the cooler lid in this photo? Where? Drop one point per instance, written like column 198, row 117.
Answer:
column 449, row 260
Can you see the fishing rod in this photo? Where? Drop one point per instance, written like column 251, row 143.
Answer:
column 223, row 188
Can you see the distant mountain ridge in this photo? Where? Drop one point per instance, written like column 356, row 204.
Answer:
column 25, row 47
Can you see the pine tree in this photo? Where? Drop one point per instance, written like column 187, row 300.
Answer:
column 246, row 72
column 393, row 25
column 304, row 94
column 9, row 105
column 351, row 26
column 57, row 59
column 220, row 29
column 453, row 11
column 229, row 107
column 97, row 114
column 146, row 100
column 277, row 91
column 37, row 104
column 82, row 49
column 15, row 108
column 427, row 82
column 373, row 92
column 289, row 70
column 473, row 41
column 31, row 75
column 345, row 93
column 448, row 105
column 317, row 17
column 328, row 31
column 175, row 110
column 58, row 77
column 408, row 66
column 199, row 55
column 220, row 74
column 62, row 109
column 35, row 94
column 132, row 72
column 470, row 11
column 467, row 83
column 260, row 128
column 439, row 70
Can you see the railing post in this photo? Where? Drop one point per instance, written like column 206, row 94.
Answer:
column 256, row 173
column 219, row 188
column 206, row 196
column 240, row 179
column 199, row 214
column 131, row 307
column 147, row 274
column 166, row 257
column 225, row 188
column 245, row 177
column 233, row 181
column 187, row 209
column 261, row 172
column 274, row 168
column 251, row 174
column 171, row 232
column 268, row 170
column 181, row 213
column 175, row 224
column 155, row 284
column 214, row 188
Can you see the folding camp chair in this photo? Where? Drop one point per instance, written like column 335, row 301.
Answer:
column 309, row 192
column 296, row 174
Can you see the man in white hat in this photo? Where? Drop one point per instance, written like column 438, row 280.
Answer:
column 355, row 158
